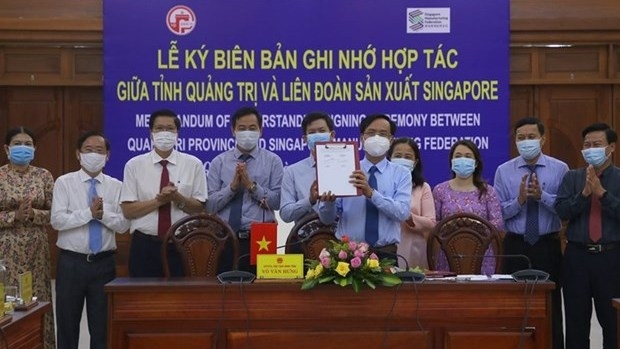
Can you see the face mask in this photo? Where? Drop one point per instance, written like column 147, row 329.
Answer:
column 376, row 145
column 247, row 140
column 529, row 148
column 595, row 156
column 463, row 167
column 406, row 163
column 164, row 140
column 21, row 154
column 92, row 162
column 317, row 137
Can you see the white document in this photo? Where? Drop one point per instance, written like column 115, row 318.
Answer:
column 334, row 164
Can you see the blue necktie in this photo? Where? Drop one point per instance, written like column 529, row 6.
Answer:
column 94, row 226
column 236, row 204
column 372, row 214
column 531, row 219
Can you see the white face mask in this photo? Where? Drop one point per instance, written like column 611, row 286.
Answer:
column 376, row 145
column 92, row 162
column 247, row 140
column 406, row 163
column 164, row 140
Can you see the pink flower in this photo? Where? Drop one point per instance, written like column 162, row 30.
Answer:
column 324, row 253
column 358, row 253
column 352, row 245
column 373, row 256
column 342, row 255
column 325, row 262
column 363, row 247
column 356, row 262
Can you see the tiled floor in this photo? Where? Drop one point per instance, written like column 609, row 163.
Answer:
column 595, row 334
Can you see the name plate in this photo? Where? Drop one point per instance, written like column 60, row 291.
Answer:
column 280, row 266
column 25, row 287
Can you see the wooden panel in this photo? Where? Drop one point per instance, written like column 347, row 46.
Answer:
column 568, row 111
column 31, row 66
column 522, row 63
column 338, row 338
column 521, row 105
column 574, row 63
column 615, row 62
column 466, row 340
column 88, row 64
column 167, row 340
column 25, row 331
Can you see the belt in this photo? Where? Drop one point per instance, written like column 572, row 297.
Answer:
column 91, row 257
column 153, row 238
column 550, row 236
column 243, row 234
column 595, row 248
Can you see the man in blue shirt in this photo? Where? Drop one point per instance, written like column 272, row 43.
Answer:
column 527, row 187
column 300, row 192
column 376, row 215
column 244, row 184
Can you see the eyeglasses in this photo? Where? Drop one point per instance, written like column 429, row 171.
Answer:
column 384, row 134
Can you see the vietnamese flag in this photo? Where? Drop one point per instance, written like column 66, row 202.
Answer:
column 263, row 239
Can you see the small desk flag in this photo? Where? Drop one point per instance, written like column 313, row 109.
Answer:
column 263, row 239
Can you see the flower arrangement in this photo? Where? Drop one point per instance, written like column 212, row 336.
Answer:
column 348, row 262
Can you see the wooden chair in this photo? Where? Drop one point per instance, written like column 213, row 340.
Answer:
column 200, row 240
column 311, row 235
column 464, row 239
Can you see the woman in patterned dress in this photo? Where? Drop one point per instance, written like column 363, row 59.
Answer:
column 415, row 230
column 467, row 192
column 25, row 202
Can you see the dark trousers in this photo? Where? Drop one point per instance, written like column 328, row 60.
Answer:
column 587, row 276
column 78, row 280
column 545, row 255
column 145, row 257
column 227, row 258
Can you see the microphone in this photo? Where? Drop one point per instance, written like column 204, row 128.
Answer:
column 520, row 275
column 405, row 275
column 241, row 276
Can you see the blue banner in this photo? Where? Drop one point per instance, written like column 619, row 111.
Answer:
column 439, row 69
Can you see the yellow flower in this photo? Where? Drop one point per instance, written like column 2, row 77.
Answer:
column 318, row 270
column 343, row 268
column 372, row 263
column 310, row 274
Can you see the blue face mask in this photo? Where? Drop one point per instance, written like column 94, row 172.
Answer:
column 529, row 148
column 317, row 137
column 595, row 156
column 463, row 167
column 406, row 163
column 21, row 154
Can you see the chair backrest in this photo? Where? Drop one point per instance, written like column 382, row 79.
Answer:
column 311, row 235
column 464, row 239
column 200, row 240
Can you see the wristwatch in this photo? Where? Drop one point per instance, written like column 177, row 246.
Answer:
column 181, row 205
column 252, row 188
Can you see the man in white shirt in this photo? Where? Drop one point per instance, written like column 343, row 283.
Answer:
column 86, row 213
column 159, row 188
column 300, row 192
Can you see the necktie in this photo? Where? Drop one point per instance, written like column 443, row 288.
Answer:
column 594, row 228
column 163, row 220
column 94, row 226
column 531, row 219
column 372, row 214
column 236, row 204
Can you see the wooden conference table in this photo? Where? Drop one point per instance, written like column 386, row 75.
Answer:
column 200, row 313
column 25, row 331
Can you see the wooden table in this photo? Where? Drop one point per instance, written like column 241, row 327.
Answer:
column 25, row 331
column 196, row 313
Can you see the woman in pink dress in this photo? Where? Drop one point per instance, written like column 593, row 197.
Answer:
column 467, row 192
column 415, row 230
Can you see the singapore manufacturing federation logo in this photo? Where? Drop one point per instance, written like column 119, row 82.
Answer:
column 181, row 20
column 428, row 20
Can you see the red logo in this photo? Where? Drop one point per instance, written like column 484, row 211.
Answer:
column 181, row 20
